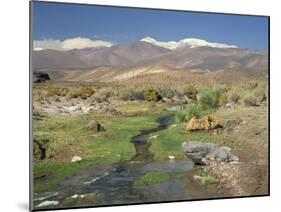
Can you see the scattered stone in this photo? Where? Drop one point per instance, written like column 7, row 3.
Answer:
column 153, row 136
column 165, row 99
column 197, row 177
column 74, row 196
column 171, row 157
column 206, row 123
column 200, row 153
column 53, row 110
column 76, row 159
column 47, row 203
column 229, row 106
column 75, row 109
column 176, row 99
column 96, row 126
column 46, row 196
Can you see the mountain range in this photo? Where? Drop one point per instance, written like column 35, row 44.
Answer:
column 193, row 55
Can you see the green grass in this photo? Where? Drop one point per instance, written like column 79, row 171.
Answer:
column 168, row 142
column 140, row 107
column 151, row 178
column 69, row 136
column 208, row 179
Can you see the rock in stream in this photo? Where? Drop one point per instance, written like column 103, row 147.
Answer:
column 200, row 153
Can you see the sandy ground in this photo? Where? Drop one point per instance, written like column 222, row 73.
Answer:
column 248, row 140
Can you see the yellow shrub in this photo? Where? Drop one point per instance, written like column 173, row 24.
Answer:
column 51, row 91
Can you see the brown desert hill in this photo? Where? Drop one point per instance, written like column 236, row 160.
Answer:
column 53, row 59
column 154, row 74
column 106, row 73
column 146, row 54
column 118, row 55
column 212, row 59
column 123, row 55
column 142, row 61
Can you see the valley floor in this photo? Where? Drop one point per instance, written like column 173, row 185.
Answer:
column 110, row 155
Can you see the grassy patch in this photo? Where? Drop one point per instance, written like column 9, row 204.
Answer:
column 208, row 179
column 141, row 107
column 168, row 142
column 151, row 178
column 69, row 136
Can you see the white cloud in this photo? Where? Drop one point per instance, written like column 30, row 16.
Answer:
column 188, row 42
column 68, row 44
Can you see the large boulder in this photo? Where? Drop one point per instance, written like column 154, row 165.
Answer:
column 205, row 123
column 200, row 153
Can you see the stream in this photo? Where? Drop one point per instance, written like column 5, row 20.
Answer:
column 114, row 183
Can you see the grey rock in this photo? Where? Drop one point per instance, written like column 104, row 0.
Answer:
column 200, row 153
column 75, row 109
column 76, row 159
column 47, row 204
column 96, row 126
column 53, row 110
column 40, row 77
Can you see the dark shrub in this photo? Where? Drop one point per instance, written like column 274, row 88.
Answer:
column 209, row 99
column 151, row 95
column 253, row 85
column 234, row 97
column 250, row 100
column 260, row 95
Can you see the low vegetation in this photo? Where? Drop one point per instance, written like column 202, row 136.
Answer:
column 83, row 92
column 190, row 91
column 57, row 138
column 151, row 178
column 151, row 95
column 209, row 99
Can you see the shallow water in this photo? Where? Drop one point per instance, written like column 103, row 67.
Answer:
column 114, row 183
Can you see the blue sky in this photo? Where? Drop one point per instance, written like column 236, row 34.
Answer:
column 122, row 25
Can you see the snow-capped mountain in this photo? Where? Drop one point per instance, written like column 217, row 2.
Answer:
column 183, row 54
column 188, row 42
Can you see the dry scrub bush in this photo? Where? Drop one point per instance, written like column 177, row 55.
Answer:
column 131, row 94
column 223, row 99
column 166, row 92
column 190, row 91
column 83, row 92
column 233, row 96
column 260, row 95
column 51, row 91
column 102, row 95
column 250, row 100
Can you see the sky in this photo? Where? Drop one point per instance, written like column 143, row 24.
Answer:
column 64, row 26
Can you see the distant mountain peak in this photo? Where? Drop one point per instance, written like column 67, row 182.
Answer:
column 188, row 42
